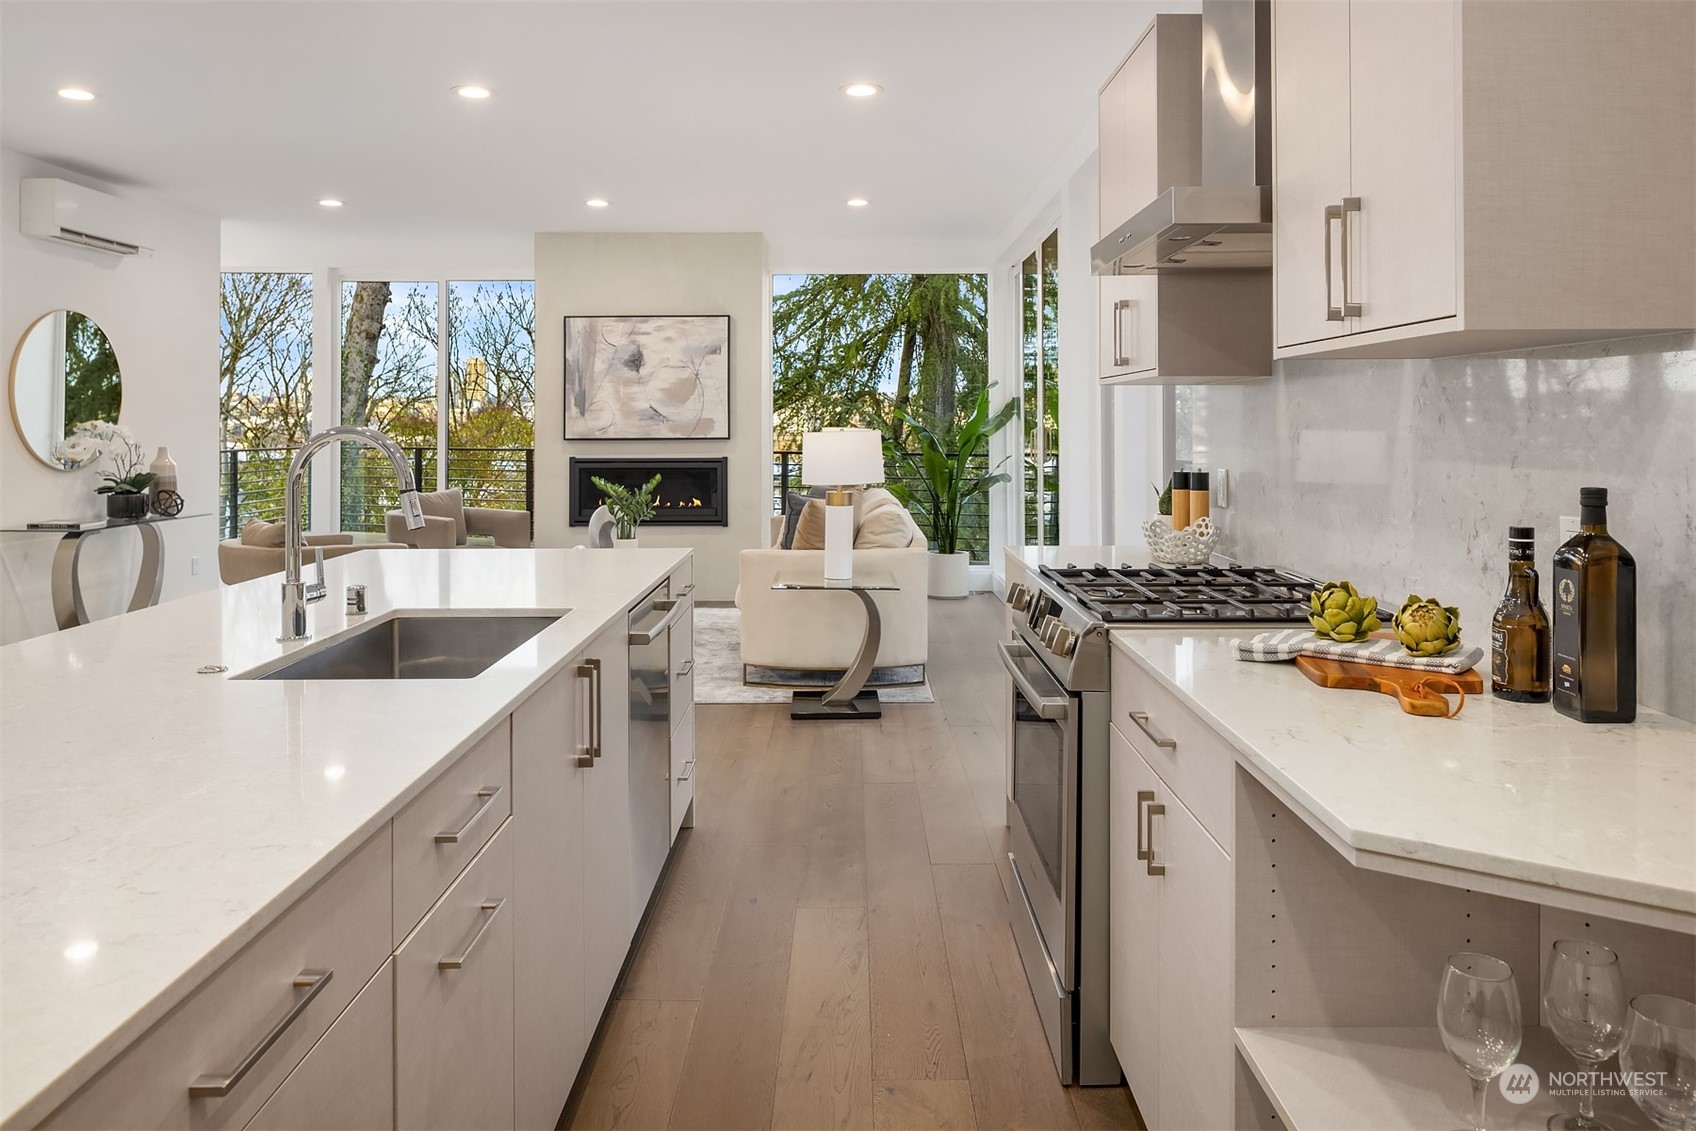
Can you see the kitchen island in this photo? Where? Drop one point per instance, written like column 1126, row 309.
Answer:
column 157, row 817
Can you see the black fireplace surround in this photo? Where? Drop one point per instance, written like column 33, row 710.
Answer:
column 691, row 491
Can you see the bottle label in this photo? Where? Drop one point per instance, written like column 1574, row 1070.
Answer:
column 1521, row 551
column 1568, row 613
column 1498, row 656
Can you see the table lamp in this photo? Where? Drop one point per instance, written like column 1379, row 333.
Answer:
column 837, row 458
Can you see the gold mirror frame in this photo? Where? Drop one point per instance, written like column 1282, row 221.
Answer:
column 29, row 442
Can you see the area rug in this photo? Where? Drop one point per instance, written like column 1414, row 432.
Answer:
column 718, row 668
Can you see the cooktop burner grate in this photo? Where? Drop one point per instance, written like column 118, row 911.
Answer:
column 1119, row 594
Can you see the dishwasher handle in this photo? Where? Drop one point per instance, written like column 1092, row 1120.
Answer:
column 673, row 611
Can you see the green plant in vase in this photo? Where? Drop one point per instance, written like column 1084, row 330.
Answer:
column 124, row 477
column 629, row 508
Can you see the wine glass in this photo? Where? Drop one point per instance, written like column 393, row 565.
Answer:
column 1658, row 1059
column 1585, row 1000
column 1478, row 1015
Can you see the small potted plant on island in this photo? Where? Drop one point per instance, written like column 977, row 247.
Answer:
column 628, row 508
column 125, row 475
column 947, row 483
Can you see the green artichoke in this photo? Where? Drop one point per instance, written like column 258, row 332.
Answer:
column 1340, row 613
column 1425, row 627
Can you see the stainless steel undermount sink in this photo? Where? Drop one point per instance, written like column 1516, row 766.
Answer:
column 417, row 647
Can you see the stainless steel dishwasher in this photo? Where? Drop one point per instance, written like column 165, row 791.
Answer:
column 650, row 738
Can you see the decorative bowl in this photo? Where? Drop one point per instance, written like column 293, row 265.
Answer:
column 1193, row 545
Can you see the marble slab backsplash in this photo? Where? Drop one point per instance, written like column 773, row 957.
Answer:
column 1404, row 476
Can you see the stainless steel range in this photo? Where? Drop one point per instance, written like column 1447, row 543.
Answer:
column 1057, row 816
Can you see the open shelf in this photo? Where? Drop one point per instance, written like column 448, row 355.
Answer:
column 1384, row 1079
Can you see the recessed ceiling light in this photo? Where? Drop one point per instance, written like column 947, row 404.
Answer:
column 862, row 89
column 858, row 202
column 595, row 202
column 76, row 94
column 329, row 202
column 472, row 92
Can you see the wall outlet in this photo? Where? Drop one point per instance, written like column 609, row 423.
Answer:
column 1569, row 526
column 194, row 565
column 1221, row 488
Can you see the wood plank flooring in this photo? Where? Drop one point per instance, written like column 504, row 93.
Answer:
column 831, row 948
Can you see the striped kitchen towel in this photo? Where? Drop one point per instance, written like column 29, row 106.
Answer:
column 1288, row 643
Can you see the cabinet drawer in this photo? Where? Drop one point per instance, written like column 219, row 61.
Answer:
column 347, row 1081
column 1197, row 765
column 439, row 833
column 337, row 932
column 683, row 664
column 454, row 1004
column 682, row 773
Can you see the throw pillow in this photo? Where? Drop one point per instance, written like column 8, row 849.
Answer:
column 809, row 530
column 258, row 532
column 885, row 528
column 446, row 504
column 793, row 505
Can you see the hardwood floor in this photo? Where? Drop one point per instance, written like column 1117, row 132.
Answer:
column 830, row 948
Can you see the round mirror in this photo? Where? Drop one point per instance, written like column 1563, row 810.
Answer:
column 64, row 373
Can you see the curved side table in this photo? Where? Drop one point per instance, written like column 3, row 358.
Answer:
column 847, row 698
column 68, row 607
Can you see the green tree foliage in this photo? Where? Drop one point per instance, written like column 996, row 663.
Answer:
column 92, row 391
column 862, row 350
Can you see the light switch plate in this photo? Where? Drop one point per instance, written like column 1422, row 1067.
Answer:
column 194, row 564
column 1221, row 488
column 1569, row 526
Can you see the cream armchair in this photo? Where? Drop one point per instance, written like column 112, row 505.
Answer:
column 448, row 522
column 239, row 561
column 821, row 631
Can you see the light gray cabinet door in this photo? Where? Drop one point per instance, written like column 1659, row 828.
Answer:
column 347, row 1081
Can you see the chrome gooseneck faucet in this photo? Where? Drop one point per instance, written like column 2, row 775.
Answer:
column 296, row 594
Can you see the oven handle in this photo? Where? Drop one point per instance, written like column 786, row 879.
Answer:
column 1053, row 707
column 1047, row 958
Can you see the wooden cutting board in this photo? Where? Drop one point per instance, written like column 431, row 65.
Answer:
column 1420, row 693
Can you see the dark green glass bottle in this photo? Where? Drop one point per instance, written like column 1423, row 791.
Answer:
column 1595, row 676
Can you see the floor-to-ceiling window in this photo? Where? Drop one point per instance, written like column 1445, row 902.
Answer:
column 1039, row 304
column 264, row 390
column 390, row 357
column 880, row 351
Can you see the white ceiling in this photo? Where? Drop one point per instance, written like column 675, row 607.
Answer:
column 694, row 116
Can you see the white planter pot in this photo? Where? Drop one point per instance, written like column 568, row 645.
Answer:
column 949, row 575
column 624, row 543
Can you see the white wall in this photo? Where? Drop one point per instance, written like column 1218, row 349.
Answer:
column 161, row 315
column 661, row 273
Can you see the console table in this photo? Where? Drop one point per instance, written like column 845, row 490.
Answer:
column 847, row 698
column 68, row 608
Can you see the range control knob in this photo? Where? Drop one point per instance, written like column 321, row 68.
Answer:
column 1049, row 628
column 1019, row 598
column 1064, row 642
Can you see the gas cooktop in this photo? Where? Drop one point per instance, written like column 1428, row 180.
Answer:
column 1162, row 594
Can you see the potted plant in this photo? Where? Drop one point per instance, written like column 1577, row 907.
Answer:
column 628, row 508
column 947, row 483
column 125, row 478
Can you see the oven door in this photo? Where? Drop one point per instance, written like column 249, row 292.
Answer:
column 1043, row 812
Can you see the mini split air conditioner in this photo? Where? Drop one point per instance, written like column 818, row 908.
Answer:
column 58, row 210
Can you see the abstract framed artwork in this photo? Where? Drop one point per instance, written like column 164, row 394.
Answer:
column 647, row 377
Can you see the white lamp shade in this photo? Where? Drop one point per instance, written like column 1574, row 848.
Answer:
column 839, row 456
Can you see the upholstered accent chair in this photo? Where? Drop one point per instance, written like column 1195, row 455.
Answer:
column 448, row 522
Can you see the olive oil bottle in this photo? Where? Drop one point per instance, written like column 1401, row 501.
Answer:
column 1519, row 632
column 1595, row 676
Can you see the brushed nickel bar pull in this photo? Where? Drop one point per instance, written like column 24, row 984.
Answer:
column 490, row 908
column 1144, row 797
column 1351, row 309
column 1155, row 810
column 1333, row 212
column 591, row 671
column 688, row 771
column 209, row 1086
column 1119, row 309
column 488, row 793
column 1141, row 719
column 688, row 666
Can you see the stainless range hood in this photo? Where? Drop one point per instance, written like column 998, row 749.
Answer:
column 1226, row 221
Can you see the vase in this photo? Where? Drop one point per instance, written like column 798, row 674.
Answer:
column 624, row 543
column 950, row 575
column 164, row 470
column 126, row 507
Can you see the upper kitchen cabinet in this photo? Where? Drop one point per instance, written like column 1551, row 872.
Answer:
column 1165, row 317
column 1465, row 177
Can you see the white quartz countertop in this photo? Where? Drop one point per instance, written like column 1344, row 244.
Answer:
column 154, row 820
column 1507, row 790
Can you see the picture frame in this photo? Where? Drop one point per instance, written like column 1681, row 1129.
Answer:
column 647, row 377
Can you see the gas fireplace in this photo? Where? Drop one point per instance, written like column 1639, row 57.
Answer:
column 691, row 491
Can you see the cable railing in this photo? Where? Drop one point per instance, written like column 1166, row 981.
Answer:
column 250, row 483
column 905, row 468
